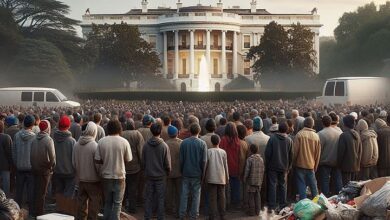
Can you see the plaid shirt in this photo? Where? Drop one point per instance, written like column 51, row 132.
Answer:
column 254, row 170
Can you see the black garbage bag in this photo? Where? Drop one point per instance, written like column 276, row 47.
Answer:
column 349, row 192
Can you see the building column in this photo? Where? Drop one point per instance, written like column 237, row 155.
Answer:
column 235, row 72
column 176, row 55
column 208, row 51
column 223, row 57
column 165, row 51
column 317, row 49
column 192, row 54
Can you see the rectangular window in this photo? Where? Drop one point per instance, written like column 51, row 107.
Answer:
column 184, row 65
column 200, row 39
column 171, row 40
column 50, row 97
column 153, row 41
column 247, row 41
column 170, row 66
column 247, row 67
column 39, row 96
column 230, row 66
column 329, row 89
column 26, row 96
column 215, row 41
column 339, row 90
column 183, row 40
column 215, row 66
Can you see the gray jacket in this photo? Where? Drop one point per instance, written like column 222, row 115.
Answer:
column 329, row 138
column 22, row 149
column 156, row 158
column 64, row 146
column 43, row 157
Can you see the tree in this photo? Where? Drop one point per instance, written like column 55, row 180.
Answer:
column 121, row 47
column 9, row 37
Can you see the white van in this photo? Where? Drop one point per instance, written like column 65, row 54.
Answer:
column 32, row 96
column 356, row 91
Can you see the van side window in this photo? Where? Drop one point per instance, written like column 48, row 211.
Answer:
column 329, row 89
column 50, row 97
column 39, row 96
column 339, row 91
column 26, row 96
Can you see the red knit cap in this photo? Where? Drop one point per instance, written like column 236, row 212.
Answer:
column 64, row 123
column 43, row 126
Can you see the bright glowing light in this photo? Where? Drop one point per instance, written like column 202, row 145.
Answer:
column 204, row 77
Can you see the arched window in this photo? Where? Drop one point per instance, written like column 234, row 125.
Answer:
column 183, row 87
column 217, row 87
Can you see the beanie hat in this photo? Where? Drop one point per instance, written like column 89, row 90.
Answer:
column 64, row 123
column 11, row 120
column 128, row 114
column 147, row 120
column 44, row 126
column 28, row 121
column 172, row 131
column 257, row 123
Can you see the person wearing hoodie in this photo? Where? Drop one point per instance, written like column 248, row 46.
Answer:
column 369, row 160
column 157, row 166
column 349, row 151
column 278, row 161
column 133, row 168
column 64, row 145
column 5, row 159
column 89, row 193
column 327, row 169
column 21, row 158
column 383, row 132
column 12, row 126
column 43, row 160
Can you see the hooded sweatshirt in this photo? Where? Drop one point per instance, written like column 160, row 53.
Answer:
column 84, row 154
column 43, row 157
column 349, row 152
column 369, row 144
column 22, row 149
column 136, row 141
column 383, row 144
column 64, row 145
column 156, row 159
column 279, row 153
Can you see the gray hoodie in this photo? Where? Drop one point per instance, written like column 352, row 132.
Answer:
column 369, row 144
column 64, row 145
column 156, row 159
column 43, row 157
column 22, row 149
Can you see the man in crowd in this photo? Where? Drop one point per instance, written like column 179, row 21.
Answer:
column 147, row 122
column 157, row 165
column 12, row 126
column 307, row 151
column 112, row 153
column 221, row 128
column 258, row 138
column 368, row 169
column 297, row 121
column 64, row 145
column 5, row 159
column 210, row 128
column 278, row 161
column 193, row 159
column 383, row 148
column 97, row 118
column 75, row 128
column 89, row 192
column 349, row 151
column 166, row 123
column 43, row 160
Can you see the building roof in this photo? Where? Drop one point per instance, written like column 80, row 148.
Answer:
column 200, row 8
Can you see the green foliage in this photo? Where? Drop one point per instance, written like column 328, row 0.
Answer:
column 282, row 51
column 120, row 47
column 9, row 36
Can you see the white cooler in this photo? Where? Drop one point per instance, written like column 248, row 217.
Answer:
column 55, row 216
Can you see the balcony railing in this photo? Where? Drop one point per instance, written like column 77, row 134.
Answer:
column 184, row 47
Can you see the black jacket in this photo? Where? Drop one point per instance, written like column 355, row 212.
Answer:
column 384, row 148
column 5, row 152
column 279, row 153
column 156, row 159
column 349, row 153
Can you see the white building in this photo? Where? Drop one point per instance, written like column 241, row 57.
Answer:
column 221, row 37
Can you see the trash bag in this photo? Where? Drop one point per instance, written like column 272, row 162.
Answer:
column 342, row 212
column 377, row 204
column 307, row 209
column 349, row 192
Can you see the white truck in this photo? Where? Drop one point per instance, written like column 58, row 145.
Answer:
column 34, row 96
column 356, row 91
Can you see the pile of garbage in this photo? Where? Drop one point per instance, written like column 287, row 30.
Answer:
column 357, row 200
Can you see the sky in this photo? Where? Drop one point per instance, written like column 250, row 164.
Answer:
column 329, row 10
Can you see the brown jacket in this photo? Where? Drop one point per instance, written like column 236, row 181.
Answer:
column 174, row 148
column 307, row 149
column 136, row 142
column 244, row 153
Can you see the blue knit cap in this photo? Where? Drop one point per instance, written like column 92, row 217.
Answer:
column 257, row 123
column 11, row 120
column 29, row 121
column 147, row 120
column 172, row 131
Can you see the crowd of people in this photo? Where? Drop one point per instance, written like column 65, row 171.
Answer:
column 186, row 158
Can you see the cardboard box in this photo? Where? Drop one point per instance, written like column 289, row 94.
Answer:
column 369, row 188
column 55, row 216
column 66, row 205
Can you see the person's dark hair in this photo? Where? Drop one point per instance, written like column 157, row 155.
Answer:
column 263, row 115
column 248, row 123
column 283, row 127
column 364, row 113
column 222, row 121
column 349, row 121
column 156, row 129
column 84, row 126
column 76, row 117
column 215, row 139
column 253, row 149
column 97, row 117
column 21, row 117
column 114, row 127
column 166, row 120
column 236, row 116
column 177, row 123
column 307, row 114
column 326, row 121
column 195, row 129
column 388, row 119
column 231, row 130
column 309, row 122
column 129, row 125
column 210, row 125
column 334, row 118
column 241, row 131
column 274, row 120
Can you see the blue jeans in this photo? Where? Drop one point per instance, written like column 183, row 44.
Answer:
column 325, row 175
column 234, row 184
column 25, row 180
column 277, row 188
column 190, row 186
column 305, row 178
column 5, row 178
column 113, row 190
column 154, row 189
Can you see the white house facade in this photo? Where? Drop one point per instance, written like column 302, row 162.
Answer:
column 216, row 37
